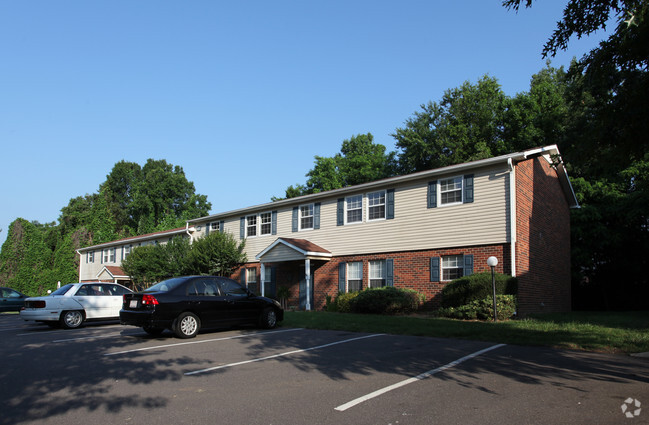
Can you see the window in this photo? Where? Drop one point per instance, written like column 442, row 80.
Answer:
column 306, row 217
column 214, row 226
column 266, row 223
column 376, row 205
column 450, row 191
column 377, row 273
column 91, row 257
column 109, row 255
column 127, row 250
column 251, row 279
column 251, row 226
column 452, row 267
column 354, row 276
column 354, row 209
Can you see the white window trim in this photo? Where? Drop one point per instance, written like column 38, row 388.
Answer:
column 439, row 191
column 347, row 279
column 299, row 217
column 213, row 224
column 383, row 268
column 347, row 209
column 442, row 268
column 251, row 272
column 270, row 223
column 385, row 205
column 256, row 226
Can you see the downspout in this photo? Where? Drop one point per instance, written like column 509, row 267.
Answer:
column 191, row 238
column 512, row 214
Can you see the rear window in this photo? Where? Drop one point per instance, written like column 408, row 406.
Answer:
column 166, row 285
column 62, row 290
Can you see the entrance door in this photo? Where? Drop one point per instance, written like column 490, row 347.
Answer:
column 303, row 289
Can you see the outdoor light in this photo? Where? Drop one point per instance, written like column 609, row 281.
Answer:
column 493, row 262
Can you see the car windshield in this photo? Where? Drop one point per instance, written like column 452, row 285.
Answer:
column 166, row 285
column 62, row 290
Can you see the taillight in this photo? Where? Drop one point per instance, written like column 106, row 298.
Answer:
column 35, row 304
column 149, row 300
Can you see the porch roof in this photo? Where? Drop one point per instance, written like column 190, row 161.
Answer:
column 287, row 249
column 114, row 272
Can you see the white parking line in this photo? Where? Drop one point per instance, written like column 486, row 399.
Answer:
column 424, row 375
column 200, row 342
column 288, row 353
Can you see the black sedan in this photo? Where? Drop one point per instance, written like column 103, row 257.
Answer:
column 187, row 304
column 11, row 300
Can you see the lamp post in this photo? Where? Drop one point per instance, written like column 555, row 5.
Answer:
column 493, row 262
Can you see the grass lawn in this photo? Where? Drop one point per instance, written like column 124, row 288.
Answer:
column 610, row 332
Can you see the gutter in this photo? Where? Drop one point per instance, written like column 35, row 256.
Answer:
column 512, row 215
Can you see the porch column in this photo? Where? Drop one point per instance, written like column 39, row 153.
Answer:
column 263, row 276
column 307, row 277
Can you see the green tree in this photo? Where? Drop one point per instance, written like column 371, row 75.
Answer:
column 467, row 124
column 216, row 254
column 360, row 160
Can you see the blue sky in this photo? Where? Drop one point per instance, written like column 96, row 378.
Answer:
column 242, row 95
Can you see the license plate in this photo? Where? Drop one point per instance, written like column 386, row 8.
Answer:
column 133, row 304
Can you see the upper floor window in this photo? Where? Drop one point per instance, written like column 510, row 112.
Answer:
column 127, row 250
column 376, row 205
column 214, row 226
column 354, row 207
column 266, row 223
column 450, row 191
column 306, row 217
column 251, row 226
column 91, row 257
column 109, row 255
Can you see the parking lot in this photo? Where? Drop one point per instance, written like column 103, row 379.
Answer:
column 111, row 374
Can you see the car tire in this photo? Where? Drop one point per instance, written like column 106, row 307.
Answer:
column 268, row 318
column 153, row 331
column 186, row 325
column 72, row 319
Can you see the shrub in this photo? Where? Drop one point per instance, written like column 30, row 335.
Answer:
column 386, row 300
column 344, row 302
column 477, row 286
column 482, row 309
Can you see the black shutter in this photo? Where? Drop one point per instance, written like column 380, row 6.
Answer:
column 242, row 227
column 468, row 264
column 468, row 188
column 432, row 194
column 207, row 229
column 222, row 226
column 389, row 214
column 342, row 276
column 434, row 269
column 340, row 212
column 316, row 215
column 389, row 272
column 295, row 218
column 273, row 222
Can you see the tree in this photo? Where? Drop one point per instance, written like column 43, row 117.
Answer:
column 467, row 124
column 215, row 254
column 360, row 161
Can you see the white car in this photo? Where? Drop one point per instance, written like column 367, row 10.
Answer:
column 73, row 304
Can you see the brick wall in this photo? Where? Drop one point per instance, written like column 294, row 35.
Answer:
column 411, row 270
column 543, row 239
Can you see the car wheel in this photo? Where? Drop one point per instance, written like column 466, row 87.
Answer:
column 186, row 325
column 153, row 331
column 71, row 319
column 268, row 318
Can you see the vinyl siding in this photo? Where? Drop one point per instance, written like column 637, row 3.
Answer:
column 415, row 227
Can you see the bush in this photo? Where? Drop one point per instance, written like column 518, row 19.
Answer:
column 344, row 302
column 475, row 287
column 386, row 300
column 482, row 309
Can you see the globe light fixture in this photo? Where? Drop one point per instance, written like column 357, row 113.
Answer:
column 493, row 262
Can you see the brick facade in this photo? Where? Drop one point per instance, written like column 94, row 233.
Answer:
column 543, row 239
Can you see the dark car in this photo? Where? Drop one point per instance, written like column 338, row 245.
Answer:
column 11, row 300
column 187, row 304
